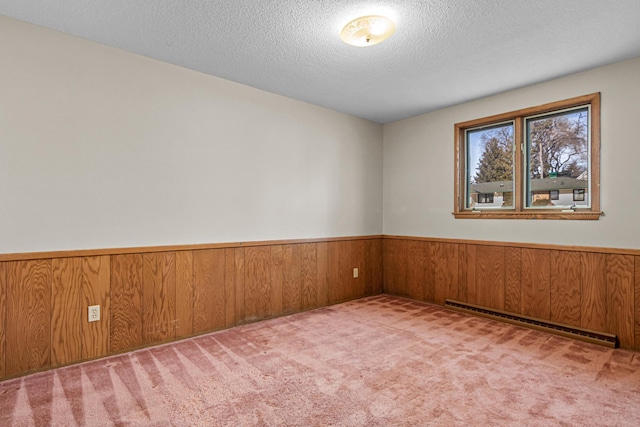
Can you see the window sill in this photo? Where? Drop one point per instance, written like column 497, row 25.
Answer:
column 589, row 215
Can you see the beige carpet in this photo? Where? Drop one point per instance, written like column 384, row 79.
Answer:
column 379, row 361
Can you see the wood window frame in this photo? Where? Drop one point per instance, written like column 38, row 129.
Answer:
column 518, row 117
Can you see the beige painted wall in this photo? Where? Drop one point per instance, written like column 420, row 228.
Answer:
column 418, row 166
column 101, row 148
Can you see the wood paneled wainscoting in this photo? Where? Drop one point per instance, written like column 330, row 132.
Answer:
column 159, row 294
column 591, row 288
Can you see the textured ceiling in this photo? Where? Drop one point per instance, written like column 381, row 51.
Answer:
column 444, row 52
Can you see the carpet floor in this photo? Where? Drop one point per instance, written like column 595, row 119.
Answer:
column 378, row 361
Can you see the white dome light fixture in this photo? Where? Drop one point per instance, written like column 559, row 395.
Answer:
column 367, row 30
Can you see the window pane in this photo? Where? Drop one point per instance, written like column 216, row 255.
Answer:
column 489, row 175
column 558, row 159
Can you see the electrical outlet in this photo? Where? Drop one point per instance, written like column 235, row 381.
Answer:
column 94, row 313
column 355, row 273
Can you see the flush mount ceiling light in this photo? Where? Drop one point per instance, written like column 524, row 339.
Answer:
column 367, row 30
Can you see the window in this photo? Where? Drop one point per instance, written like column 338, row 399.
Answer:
column 541, row 162
column 485, row 198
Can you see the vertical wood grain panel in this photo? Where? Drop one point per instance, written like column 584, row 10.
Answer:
column 620, row 297
column 230, row 283
column 257, row 283
column 566, row 287
column 416, row 269
column 593, row 304
column 462, row 273
column 343, row 267
column 309, row 272
column 126, row 298
column 96, row 289
column 356, row 285
column 3, row 318
column 208, row 283
column 471, row 273
column 184, row 294
column 28, row 341
column 240, row 284
column 322, row 255
column 333, row 272
column 400, row 267
column 444, row 258
column 340, row 270
column 637, row 302
column 387, row 265
column 276, row 284
column 373, row 267
column 395, row 267
column 512, row 279
column 468, row 273
column 66, row 311
column 429, row 273
column 490, row 270
column 536, row 283
column 159, row 297
column 291, row 279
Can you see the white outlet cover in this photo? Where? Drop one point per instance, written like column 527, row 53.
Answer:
column 94, row 313
column 355, row 273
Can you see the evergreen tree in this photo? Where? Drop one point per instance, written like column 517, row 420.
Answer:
column 496, row 163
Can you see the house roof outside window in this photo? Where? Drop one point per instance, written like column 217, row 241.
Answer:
column 544, row 184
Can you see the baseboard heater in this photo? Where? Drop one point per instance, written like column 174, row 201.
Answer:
column 601, row 338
